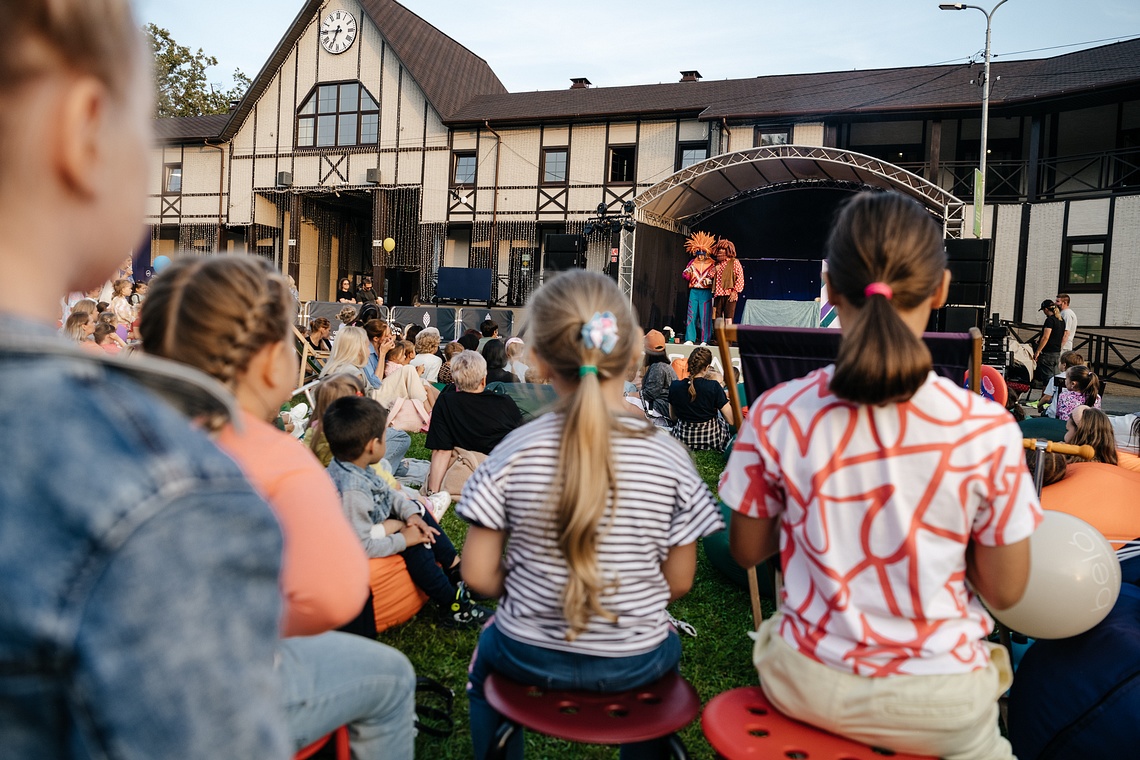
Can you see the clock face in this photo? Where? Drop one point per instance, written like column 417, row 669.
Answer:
column 338, row 32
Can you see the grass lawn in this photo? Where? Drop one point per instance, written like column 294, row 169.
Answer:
column 719, row 658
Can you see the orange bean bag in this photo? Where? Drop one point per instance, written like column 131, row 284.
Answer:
column 395, row 599
column 1103, row 495
column 1127, row 461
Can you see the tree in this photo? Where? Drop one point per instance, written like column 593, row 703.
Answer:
column 180, row 79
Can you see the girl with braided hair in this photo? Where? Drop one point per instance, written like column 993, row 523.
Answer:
column 598, row 513
column 700, row 406
column 230, row 317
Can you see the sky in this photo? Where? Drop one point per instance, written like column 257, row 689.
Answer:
column 540, row 45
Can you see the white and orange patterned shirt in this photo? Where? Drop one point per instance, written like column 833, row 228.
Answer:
column 877, row 505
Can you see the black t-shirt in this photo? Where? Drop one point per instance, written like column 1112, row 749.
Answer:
column 347, row 295
column 322, row 345
column 1053, row 345
column 474, row 421
column 501, row 376
column 710, row 399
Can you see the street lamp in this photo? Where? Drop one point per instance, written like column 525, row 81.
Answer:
column 980, row 181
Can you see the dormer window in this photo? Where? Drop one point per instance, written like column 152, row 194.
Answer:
column 342, row 114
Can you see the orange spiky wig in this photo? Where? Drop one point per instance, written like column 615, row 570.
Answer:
column 725, row 246
column 699, row 242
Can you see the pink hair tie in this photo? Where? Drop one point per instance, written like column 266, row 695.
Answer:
column 878, row 289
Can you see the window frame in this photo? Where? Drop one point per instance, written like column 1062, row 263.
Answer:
column 316, row 114
column 1066, row 283
column 758, row 135
column 455, row 156
column 610, row 151
column 542, row 180
column 685, row 145
column 167, row 173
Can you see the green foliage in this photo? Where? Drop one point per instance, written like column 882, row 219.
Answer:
column 180, row 79
column 718, row 659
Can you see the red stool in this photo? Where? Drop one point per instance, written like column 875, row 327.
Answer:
column 340, row 741
column 652, row 712
column 742, row 724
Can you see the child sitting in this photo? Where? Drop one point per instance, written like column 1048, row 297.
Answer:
column 1082, row 388
column 387, row 522
column 396, row 357
column 1056, row 384
column 105, row 338
column 885, row 487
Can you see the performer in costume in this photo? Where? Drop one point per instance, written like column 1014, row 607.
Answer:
column 728, row 280
column 699, row 274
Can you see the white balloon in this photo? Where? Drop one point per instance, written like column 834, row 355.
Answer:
column 1074, row 579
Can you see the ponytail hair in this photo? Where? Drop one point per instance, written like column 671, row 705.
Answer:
column 890, row 239
column 1086, row 381
column 699, row 361
column 585, row 482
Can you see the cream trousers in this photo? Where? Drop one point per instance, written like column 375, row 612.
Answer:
column 954, row 717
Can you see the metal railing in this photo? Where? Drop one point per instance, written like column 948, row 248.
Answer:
column 1114, row 359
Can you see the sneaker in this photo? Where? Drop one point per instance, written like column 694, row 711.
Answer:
column 464, row 612
column 440, row 501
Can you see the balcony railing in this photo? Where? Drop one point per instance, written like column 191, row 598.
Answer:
column 1088, row 174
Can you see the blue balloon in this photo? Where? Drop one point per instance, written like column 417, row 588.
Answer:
column 160, row 263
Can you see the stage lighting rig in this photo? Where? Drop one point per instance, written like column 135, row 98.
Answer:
column 607, row 223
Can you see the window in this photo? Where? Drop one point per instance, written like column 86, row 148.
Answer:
column 691, row 153
column 1084, row 265
column 172, row 179
column 338, row 114
column 622, row 161
column 555, row 165
column 766, row 136
column 463, row 166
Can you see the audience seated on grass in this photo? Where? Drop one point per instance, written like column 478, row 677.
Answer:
column 1057, row 383
column 231, row 317
column 380, row 342
column 386, row 521
column 349, row 355
column 467, row 422
column 449, row 351
column 516, row 352
column 597, row 511
column 495, row 354
column 657, row 377
column 1082, row 388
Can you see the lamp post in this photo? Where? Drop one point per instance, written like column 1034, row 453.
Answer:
column 980, row 181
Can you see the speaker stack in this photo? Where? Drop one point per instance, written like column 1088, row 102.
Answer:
column 562, row 252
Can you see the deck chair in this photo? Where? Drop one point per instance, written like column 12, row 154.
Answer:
column 312, row 362
column 772, row 355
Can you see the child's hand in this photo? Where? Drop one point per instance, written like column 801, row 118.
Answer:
column 427, row 530
column 413, row 535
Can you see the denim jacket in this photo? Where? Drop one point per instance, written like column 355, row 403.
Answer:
column 367, row 500
column 139, row 602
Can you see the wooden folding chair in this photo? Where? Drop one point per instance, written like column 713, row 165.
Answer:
column 772, row 355
column 312, row 362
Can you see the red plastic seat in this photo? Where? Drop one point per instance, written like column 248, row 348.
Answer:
column 742, row 724
column 340, row 741
column 655, row 711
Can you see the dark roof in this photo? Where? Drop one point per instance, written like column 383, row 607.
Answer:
column 190, row 128
column 876, row 90
column 448, row 73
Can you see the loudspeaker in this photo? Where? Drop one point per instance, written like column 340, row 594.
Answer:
column 970, row 263
column 561, row 261
column 402, row 286
column 959, row 319
column 284, row 179
column 372, row 176
column 565, row 244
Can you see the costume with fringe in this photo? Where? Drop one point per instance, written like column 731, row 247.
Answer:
column 699, row 274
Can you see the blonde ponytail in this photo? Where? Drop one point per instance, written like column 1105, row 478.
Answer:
column 585, row 483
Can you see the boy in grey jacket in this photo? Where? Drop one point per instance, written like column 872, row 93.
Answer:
column 387, row 521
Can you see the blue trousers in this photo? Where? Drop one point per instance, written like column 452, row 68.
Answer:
column 699, row 316
column 427, row 563
column 334, row 679
column 554, row 669
column 396, row 443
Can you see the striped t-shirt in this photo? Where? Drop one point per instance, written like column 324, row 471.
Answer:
column 661, row 503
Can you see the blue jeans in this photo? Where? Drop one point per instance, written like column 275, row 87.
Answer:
column 554, row 669
column 396, row 443
column 428, row 565
column 335, row 679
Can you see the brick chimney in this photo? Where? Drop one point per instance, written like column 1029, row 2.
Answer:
column 580, row 83
column 691, row 76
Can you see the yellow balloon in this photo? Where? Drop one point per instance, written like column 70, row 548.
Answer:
column 389, row 244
